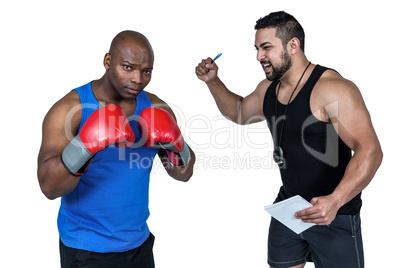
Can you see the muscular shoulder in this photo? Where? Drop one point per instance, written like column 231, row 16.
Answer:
column 67, row 108
column 333, row 94
column 60, row 125
column 154, row 99
column 259, row 93
column 332, row 84
column 262, row 88
column 159, row 103
column 332, row 87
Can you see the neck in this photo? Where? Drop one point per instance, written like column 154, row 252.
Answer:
column 292, row 76
column 103, row 91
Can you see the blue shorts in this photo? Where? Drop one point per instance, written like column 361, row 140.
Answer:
column 337, row 245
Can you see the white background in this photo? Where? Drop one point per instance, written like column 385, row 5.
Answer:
column 217, row 219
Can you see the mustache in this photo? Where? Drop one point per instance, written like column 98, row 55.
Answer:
column 265, row 62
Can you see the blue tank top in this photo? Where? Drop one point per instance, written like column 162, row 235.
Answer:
column 108, row 210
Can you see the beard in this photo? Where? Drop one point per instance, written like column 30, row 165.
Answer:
column 278, row 72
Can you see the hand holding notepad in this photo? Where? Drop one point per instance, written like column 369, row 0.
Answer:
column 285, row 210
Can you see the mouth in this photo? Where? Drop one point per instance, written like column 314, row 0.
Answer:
column 133, row 91
column 267, row 66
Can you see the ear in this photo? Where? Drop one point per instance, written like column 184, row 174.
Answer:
column 294, row 45
column 107, row 61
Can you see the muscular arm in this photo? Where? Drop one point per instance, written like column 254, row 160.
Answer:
column 344, row 106
column 54, row 179
column 236, row 108
column 356, row 130
column 178, row 173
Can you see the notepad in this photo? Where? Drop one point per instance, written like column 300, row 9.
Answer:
column 285, row 210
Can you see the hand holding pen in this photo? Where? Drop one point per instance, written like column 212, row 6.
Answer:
column 217, row 56
column 207, row 70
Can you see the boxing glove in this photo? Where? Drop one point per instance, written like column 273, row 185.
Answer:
column 105, row 126
column 158, row 129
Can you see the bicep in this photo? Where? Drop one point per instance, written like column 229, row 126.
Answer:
column 54, row 179
column 251, row 107
column 348, row 113
column 60, row 125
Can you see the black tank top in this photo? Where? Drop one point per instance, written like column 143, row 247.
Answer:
column 315, row 156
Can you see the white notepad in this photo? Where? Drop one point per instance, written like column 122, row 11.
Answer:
column 285, row 210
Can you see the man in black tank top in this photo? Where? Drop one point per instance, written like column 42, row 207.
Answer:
column 316, row 118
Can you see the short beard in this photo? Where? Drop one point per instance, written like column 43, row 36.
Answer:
column 278, row 72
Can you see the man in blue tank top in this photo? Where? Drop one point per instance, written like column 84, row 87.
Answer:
column 98, row 145
column 317, row 118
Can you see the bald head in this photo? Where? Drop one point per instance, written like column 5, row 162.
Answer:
column 128, row 37
column 129, row 64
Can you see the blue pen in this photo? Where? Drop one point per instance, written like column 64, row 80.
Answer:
column 217, row 56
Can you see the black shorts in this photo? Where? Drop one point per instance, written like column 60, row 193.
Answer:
column 336, row 245
column 141, row 257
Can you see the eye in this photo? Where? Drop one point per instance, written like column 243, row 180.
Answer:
column 147, row 72
column 127, row 67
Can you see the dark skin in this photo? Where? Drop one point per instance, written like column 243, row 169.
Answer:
column 128, row 65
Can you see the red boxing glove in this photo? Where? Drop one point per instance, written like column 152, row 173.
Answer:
column 159, row 129
column 105, row 126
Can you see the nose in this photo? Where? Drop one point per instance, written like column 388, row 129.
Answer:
column 260, row 55
column 137, row 77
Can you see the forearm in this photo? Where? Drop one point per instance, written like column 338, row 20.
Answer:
column 179, row 173
column 359, row 173
column 229, row 103
column 54, row 180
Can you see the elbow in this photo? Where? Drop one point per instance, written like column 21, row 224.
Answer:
column 50, row 192
column 185, row 173
column 50, row 195
column 232, row 117
column 47, row 191
column 234, row 113
column 182, row 175
column 189, row 169
column 187, row 176
column 372, row 152
column 379, row 155
column 374, row 156
column 44, row 182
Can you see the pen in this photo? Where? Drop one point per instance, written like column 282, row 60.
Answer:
column 217, row 56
